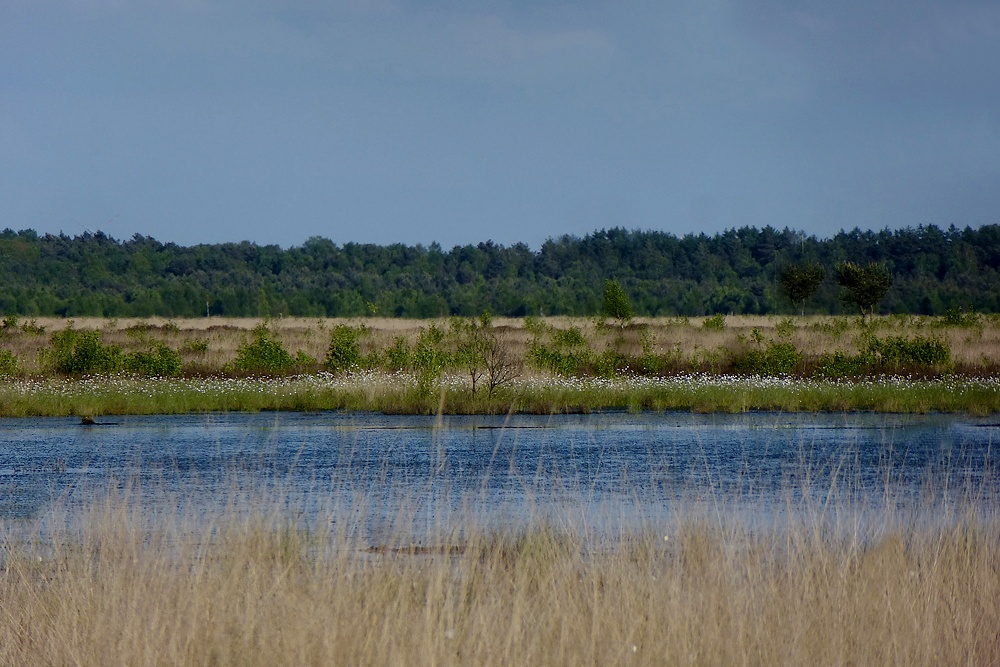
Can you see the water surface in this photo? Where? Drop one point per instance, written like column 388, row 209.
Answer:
column 642, row 462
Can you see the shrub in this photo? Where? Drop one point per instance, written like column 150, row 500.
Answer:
column 76, row 352
column 956, row 317
column 609, row 363
column 568, row 353
column 8, row 363
column 569, row 338
column 835, row 327
column 648, row 362
column 785, row 328
column 714, row 323
column 397, row 356
column 196, row 346
column 158, row 361
column 429, row 358
column 344, row 352
column 892, row 353
column 304, row 360
column 263, row 354
column 471, row 338
column 896, row 351
column 138, row 331
column 842, row 365
column 774, row 359
column 32, row 328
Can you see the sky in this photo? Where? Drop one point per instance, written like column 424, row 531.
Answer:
column 397, row 121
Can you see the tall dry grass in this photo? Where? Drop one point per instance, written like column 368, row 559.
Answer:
column 248, row 584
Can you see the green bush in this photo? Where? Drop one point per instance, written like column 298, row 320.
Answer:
column 890, row 354
column 32, row 328
column 196, row 346
column 774, row 359
column 569, row 338
column 896, row 351
column 956, row 317
column 81, row 352
column 429, row 358
column 263, row 354
column 842, row 365
column 568, row 353
column 303, row 360
column 158, row 361
column 397, row 356
column 714, row 323
column 785, row 328
column 609, row 363
column 8, row 363
column 344, row 352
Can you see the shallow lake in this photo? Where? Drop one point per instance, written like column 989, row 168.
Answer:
column 640, row 462
column 499, row 462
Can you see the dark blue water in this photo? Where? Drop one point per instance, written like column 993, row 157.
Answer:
column 635, row 460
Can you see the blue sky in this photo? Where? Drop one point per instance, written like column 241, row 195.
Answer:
column 397, row 121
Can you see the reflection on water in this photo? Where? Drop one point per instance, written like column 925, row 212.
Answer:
column 639, row 462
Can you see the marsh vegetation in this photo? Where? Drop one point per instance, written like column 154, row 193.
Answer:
column 497, row 365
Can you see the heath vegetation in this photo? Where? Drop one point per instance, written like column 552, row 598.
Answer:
column 488, row 364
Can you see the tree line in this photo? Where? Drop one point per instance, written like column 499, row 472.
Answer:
column 739, row 271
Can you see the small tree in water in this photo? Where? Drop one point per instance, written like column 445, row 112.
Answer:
column 800, row 281
column 616, row 304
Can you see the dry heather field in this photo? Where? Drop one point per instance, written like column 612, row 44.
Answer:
column 208, row 344
column 889, row 364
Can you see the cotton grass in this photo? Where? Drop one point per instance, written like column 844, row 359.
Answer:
column 401, row 392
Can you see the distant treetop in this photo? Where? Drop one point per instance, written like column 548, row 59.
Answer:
column 737, row 271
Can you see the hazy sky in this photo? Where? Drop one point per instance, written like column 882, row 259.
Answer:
column 400, row 121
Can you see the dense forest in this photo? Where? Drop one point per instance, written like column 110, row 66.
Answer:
column 736, row 271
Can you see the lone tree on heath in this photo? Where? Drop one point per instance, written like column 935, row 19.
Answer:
column 800, row 281
column 866, row 285
column 616, row 303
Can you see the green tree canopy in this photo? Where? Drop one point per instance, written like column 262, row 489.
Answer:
column 616, row 303
column 866, row 285
column 800, row 281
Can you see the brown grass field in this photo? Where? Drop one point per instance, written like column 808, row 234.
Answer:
column 208, row 344
column 248, row 586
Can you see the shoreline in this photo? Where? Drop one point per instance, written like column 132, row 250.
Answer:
column 402, row 393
